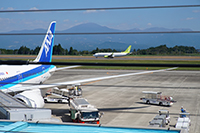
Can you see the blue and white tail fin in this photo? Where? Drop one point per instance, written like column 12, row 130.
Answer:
column 45, row 53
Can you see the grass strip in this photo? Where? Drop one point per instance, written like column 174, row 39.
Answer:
column 132, row 61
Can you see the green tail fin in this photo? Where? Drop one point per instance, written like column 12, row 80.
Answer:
column 128, row 49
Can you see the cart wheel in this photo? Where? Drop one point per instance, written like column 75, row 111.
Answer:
column 45, row 100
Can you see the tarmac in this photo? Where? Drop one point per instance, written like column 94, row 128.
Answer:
column 119, row 98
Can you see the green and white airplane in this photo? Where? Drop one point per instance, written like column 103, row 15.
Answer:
column 113, row 54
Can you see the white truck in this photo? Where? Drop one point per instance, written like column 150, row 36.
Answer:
column 83, row 112
column 151, row 97
column 56, row 100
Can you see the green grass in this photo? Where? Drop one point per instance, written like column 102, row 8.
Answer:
column 132, row 61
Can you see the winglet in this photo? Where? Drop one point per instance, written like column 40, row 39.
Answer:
column 45, row 54
column 128, row 49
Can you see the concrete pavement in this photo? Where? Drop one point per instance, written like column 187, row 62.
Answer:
column 119, row 98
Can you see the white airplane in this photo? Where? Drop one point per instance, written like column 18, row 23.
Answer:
column 25, row 81
column 114, row 54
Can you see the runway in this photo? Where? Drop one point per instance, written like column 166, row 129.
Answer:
column 119, row 98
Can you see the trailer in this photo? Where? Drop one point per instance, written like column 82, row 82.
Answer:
column 151, row 97
column 160, row 120
column 183, row 122
column 55, row 99
column 83, row 112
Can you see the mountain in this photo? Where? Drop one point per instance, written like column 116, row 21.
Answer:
column 113, row 41
column 88, row 27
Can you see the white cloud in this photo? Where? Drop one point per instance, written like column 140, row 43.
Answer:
column 4, row 20
column 10, row 8
column 196, row 11
column 92, row 11
column 66, row 20
column 76, row 23
column 189, row 18
column 33, row 8
column 12, row 46
column 149, row 24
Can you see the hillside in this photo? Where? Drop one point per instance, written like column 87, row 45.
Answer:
column 90, row 42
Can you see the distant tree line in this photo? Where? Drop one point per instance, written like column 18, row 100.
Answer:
column 164, row 50
column 58, row 50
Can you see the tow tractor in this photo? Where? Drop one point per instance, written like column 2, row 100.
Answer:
column 152, row 97
column 83, row 112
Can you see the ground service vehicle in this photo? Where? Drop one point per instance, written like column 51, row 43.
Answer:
column 57, row 100
column 83, row 112
column 62, row 95
column 152, row 97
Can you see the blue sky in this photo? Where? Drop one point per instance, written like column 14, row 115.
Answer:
column 117, row 19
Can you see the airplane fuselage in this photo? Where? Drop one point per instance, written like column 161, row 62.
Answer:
column 14, row 75
column 119, row 54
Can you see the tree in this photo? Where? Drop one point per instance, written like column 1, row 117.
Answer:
column 24, row 50
column 134, row 52
column 71, row 51
column 36, row 50
column 58, row 50
column 66, row 52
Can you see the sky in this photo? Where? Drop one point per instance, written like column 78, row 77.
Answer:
column 117, row 19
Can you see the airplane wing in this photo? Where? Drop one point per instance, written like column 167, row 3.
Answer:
column 63, row 68
column 43, row 86
column 106, row 77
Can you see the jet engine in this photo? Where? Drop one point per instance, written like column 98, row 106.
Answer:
column 32, row 98
column 109, row 56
